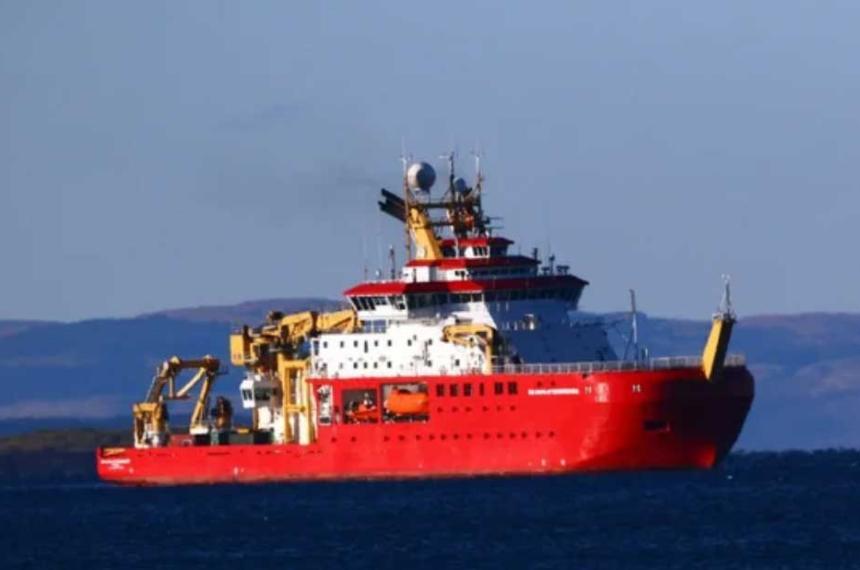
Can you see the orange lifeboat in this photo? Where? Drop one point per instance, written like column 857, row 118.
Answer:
column 405, row 403
column 364, row 413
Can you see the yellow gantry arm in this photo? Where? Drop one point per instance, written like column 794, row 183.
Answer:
column 717, row 345
column 426, row 242
column 465, row 334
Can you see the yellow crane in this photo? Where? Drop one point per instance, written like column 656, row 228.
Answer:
column 473, row 334
column 150, row 416
column 275, row 348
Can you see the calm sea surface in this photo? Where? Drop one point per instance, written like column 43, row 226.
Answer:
column 761, row 510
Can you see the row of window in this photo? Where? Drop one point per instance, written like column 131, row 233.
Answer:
column 371, row 303
column 418, row 301
column 495, row 272
column 455, row 436
column 431, row 299
column 477, row 251
column 355, row 343
column 453, row 390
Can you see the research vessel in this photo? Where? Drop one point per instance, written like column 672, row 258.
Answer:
column 469, row 360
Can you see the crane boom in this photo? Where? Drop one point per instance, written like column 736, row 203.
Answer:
column 150, row 415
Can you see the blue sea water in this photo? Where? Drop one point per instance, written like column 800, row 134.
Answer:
column 758, row 510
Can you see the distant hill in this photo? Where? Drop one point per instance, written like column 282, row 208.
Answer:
column 807, row 366
column 8, row 328
column 249, row 311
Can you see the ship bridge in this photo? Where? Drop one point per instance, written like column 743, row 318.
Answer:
column 467, row 277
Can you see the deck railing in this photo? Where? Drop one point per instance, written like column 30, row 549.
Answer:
column 662, row 363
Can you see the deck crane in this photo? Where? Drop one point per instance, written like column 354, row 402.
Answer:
column 150, row 416
column 274, row 355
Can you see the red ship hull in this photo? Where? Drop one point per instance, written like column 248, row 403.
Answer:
column 554, row 423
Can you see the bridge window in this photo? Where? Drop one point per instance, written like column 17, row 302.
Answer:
column 512, row 388
column 453, row 389
column 498, row 388
column 440, row 390
column 467, row 389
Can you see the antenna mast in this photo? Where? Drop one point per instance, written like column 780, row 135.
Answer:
column 404, row 160
column 634, row 325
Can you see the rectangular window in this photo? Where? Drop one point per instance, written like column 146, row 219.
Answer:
column 499, row 388
column 481, row 389
column 512, row 388
column 453, row 390
column 467, row 389
column 389, row 342
column 440, row 390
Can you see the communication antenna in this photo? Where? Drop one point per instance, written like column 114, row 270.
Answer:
column 449, row 157
column 364, row 256
column 405, row 159
column 479, row 174
column 634, row 325
column 393, row 260
column 726, row 308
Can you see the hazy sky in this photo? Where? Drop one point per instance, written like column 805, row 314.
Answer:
column 164, row 154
